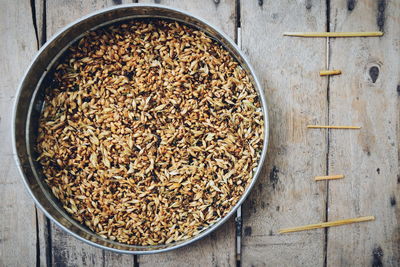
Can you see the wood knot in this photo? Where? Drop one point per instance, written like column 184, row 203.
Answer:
column 392, row 201
column 374, row 73
column 377, row 255
column 216, row 2
column 260, row 2
column 248, row 231
column 308, row 4
column 351, row 4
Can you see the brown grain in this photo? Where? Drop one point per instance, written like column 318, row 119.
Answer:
column 150, row 132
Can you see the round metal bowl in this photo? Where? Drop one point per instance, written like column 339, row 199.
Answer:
column 29, row 103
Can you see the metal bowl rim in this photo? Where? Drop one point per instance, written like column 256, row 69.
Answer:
column 212, row 227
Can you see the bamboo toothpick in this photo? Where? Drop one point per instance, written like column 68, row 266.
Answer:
column 326, row 224
column 329, row 177
column 329, row 72
column 333, row 34
column 333, row 127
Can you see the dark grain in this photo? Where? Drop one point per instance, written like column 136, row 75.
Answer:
column 392, row 201
column 247, row 231
column 377, row 255
column 351, row 4
column 273, row 176
column 308, row 4
column 374, row 73
column 380, row 19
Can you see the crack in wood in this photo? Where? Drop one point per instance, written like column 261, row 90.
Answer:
column 49, row 248
column 35, row 26
column 40, row 40
column 33, row 10
column 37, row 238
column 380, row 20
column 238, row 15
column 328, row 21
column 43, row 39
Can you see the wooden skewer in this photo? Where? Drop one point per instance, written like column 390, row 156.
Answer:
column 333, row 34
column 333, row 127
column 330, row 177
column 329, row 72
column 326, row 224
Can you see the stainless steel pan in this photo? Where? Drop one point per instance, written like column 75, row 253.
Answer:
column 29, row 103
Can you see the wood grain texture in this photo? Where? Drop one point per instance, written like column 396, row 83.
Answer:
column 219, row 248
column 60, row 13
column 286, row 194
column 220, row 13
column 18, row 219
column 44, row 239
column 66, row 250
column 38, row 11
column 367, row 94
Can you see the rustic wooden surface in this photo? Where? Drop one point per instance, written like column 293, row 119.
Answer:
column 17, row 211
column 366, row 94
column 286, row 194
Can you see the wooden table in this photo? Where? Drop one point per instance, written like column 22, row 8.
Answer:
column 366, row 94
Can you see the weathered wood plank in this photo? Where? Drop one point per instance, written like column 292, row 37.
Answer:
column 38, row 9
column 18, row 218
column 68, row 251
column 65, row 249
column 286, row 194
column 44, row 239
column 220, row 13
column 219, row 248
column 43, row 223
column 366, row 94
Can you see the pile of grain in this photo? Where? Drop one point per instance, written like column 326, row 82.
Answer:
column 150, row 132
